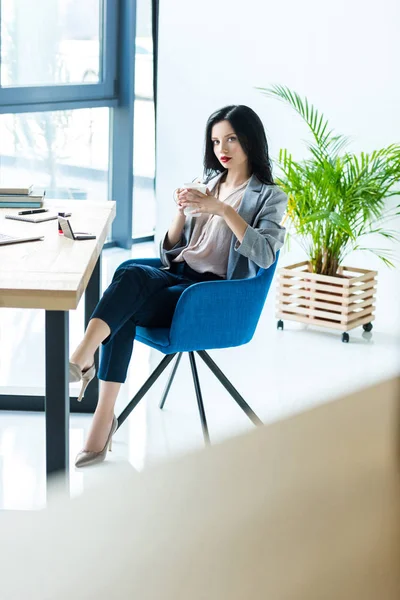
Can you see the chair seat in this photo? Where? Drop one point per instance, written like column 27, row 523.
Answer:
column 155, row 337
column 160, row 339
column 211, row 314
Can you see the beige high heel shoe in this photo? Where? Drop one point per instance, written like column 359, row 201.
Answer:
column 76, row 374
column 85, row 459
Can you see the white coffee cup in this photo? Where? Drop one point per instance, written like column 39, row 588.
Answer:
column 191, row 210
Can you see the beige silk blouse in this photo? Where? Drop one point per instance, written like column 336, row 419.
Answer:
column 208, row 248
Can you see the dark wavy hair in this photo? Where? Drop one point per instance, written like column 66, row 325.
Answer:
column 251, row 134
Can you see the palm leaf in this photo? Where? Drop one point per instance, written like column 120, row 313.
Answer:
column 316, row 121
column 381, row 253
column 340, row 221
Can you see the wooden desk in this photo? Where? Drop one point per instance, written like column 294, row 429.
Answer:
column 52, row 275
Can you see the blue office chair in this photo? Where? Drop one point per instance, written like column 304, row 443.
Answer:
column 208, row 315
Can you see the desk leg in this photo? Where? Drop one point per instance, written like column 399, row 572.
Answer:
column 92, row 296
column 57, row 393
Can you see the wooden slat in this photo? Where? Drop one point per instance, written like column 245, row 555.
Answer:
column 336, row 282
column 342, row 281
column 304, row 294
column 328, row 306
column 297, row 265
column 327, row 324
column 357, row 315
column 309, row 321
column 361, row 321
column 286, row 284
column 368, row 293
column 312, row 285
column 366, row 277
column 369, row 285
column 342, row 269
column 346, row 273
column 329, row 297
column 312, row 312
column 308, row 303
column 351, row 307
column 357, row 270
column 324, row 310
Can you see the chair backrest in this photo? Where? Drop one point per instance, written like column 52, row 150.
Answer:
column 261, row 286
column 265, row 277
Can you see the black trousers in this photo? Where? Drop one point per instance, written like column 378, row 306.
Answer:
column 139, row 295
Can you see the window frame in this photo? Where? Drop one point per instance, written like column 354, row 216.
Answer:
column 66, row 96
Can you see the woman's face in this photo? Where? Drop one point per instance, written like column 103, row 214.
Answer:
column 227, row 147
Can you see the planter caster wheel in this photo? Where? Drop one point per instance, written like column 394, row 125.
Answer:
column 345, row 338
column 279, row 325
column 367, row 327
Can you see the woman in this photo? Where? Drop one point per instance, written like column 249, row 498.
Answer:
column 237, row 230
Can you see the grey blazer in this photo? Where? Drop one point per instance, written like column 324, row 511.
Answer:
column 262, row 207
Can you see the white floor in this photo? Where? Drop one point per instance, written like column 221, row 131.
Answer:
column 279, row 373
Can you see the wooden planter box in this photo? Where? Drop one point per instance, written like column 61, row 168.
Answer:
column 342, row 302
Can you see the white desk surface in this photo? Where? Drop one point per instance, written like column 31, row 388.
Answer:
column 52, row 274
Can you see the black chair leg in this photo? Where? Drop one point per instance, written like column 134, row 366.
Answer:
column 228, row 386
column 145, row 387
column 170, row 380
column 200, row 404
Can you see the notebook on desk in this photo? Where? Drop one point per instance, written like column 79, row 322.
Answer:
column 39, row 218
column 9, row 239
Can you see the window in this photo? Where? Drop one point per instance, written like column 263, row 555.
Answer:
column 66, row 80
column 57, row 51
column 50, row 42
column 65, row 152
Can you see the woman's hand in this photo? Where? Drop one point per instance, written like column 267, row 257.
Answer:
column 179, row 203
column 203, row 203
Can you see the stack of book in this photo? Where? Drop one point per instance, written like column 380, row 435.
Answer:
column 20, row 198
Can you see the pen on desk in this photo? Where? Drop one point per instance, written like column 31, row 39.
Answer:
column 33, row 212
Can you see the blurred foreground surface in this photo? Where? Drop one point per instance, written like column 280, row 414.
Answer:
column 307, row 508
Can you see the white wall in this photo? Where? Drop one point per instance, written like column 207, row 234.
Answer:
column 343, row 55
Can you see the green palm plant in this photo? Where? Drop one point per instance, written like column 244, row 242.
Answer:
column 336, row 198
